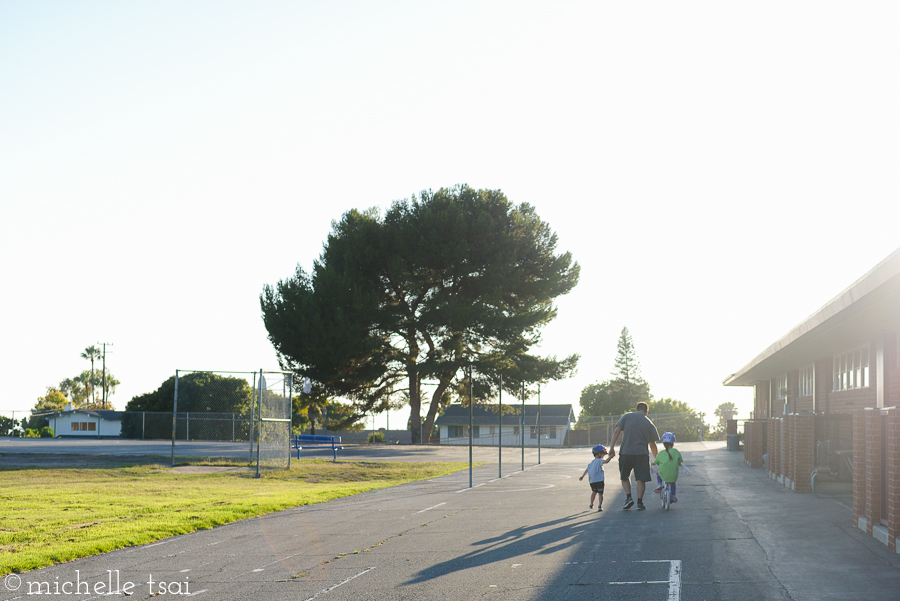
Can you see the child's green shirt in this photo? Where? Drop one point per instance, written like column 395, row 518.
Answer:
column 668, row 461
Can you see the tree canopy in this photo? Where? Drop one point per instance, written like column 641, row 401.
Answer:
column 440, row 281
column 197, row 392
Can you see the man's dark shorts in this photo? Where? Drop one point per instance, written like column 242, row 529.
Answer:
column 639, row 463
column 597, row 486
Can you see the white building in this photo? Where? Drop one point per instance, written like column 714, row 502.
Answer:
column 489, row 428
column 95, row 423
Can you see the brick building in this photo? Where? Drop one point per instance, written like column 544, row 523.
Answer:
column 826, row 397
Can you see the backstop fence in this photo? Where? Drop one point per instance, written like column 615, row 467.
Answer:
column 218, row 411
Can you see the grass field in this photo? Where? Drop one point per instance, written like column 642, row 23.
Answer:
column 50, row 515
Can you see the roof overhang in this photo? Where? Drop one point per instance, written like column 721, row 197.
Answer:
column 854, row 316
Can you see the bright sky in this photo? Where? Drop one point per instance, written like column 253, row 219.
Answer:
column 719, row 170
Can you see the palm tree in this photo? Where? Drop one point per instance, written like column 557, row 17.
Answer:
column 91, row 353
column 725, row 412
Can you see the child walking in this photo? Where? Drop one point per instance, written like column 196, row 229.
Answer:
column 594, row 472
column 668, row 462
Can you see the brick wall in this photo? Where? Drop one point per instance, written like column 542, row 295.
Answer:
column 859, row 466
column 872, row 461
column 892, row 469
column 754, row 432
column 803, row 451
column 774, row 450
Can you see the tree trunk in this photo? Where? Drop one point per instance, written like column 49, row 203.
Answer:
column 415, row 408
column 435, row 404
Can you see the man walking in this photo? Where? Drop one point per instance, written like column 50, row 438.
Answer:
column 638, row 432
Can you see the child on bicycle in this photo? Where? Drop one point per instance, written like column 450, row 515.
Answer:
column 668, row 461
column 594, row 472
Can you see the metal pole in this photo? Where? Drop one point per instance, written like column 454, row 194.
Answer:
column 471, row 426
column 143, row 424
column 259, row 417
column 522, row 428
column 500, row 432
column 174, row 416
column 288, row 408
column 701, row 427
column 539, row 423
column 252, row 418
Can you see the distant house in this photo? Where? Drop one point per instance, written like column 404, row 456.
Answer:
column 555, row 423
column 86, row 423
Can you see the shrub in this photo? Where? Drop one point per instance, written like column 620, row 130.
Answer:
column 47, row 432
column 375, row 437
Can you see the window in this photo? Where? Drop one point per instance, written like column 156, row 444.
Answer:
column 516, row 430
column 476, row 431
column 534, row 432
column 807, row 378
column 781, row 387
column 456, row 431
column 92, row 426
column 851, row 370
column 551, row 432
column 75, row 426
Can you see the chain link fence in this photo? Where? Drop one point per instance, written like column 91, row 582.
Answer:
column 217, row 411
column 687, row 427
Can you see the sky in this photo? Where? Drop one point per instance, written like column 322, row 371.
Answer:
column 718, row 170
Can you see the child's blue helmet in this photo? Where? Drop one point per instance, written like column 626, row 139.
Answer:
column 598, row 449
column 668, row 437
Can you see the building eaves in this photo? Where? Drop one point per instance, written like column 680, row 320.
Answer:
column 864, row 292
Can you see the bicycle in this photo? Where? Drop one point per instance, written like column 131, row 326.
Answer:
column 665, row 495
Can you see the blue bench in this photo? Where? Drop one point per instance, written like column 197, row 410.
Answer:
column 316, row 441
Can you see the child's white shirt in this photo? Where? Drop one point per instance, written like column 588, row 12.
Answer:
column 595, row 470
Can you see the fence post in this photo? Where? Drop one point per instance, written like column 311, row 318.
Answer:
column 174, row 416
column 700, row 435
column 143, row 424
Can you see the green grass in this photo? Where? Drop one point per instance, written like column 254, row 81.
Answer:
column 53, row 515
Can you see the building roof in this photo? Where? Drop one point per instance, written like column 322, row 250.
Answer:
column 486, row 415
column 853, row 317
column 104, row 414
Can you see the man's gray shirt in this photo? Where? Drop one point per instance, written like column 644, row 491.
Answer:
column 637, row 432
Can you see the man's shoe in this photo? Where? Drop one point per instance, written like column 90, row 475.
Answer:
column 641, row 506
column 628, row 503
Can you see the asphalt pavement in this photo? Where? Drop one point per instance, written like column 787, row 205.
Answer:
column 734, row 534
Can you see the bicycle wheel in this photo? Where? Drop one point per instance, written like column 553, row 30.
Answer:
column 666, row 496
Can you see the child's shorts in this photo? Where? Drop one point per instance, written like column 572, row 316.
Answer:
column 597, row 486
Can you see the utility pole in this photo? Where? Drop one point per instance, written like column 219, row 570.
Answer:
column 105, row 394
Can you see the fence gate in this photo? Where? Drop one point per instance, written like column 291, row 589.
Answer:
column 272, row 424
column 218, row 414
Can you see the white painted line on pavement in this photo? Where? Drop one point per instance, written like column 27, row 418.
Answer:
column 342, row 582
column 433, row 507
column 674, row 580
column 198, row 592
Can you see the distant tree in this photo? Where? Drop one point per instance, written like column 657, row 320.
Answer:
column 75, row 390
column 623, row 392
column 54, row 400
column 7, row 426
column 628, row 368
column 442, row 281
column 725, row 412
column 197, row 392
column 678, row 417
column 91, row 353
column 613, row 397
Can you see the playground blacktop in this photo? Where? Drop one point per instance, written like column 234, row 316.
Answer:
column 516, row 534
